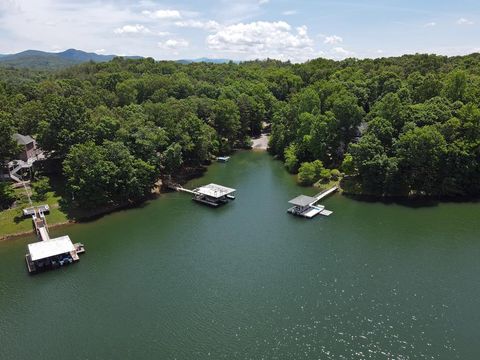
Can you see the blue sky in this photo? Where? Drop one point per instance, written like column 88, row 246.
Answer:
column 242, row 29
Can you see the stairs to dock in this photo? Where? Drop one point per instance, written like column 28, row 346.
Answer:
column 15, row 166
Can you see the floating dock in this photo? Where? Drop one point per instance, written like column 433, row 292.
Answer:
column 211, row 194
column 214, row 194
column 305, row 205
column 49, row 253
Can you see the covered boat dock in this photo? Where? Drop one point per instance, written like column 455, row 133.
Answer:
column 213, row 194
column 49, row 253
column 305, row 205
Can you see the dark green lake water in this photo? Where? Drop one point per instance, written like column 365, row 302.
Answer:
column 178, row 280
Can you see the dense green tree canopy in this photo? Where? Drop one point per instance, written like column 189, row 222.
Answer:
column 397, row 126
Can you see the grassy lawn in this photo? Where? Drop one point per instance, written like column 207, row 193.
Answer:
column 13, row 222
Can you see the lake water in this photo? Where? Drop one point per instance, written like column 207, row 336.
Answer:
column 178, row 280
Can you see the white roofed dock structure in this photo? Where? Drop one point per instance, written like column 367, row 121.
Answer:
column 305, row 205
column 48, row 248
column 302, row 201
column 213, row 194
column 49, row 253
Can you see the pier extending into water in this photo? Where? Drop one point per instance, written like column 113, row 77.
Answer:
column 211, row 194
column 49, row 253
column 305, row 205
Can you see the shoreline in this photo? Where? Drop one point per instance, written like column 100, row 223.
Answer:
column 30, row 232
column 90, row 216
column 259, row 144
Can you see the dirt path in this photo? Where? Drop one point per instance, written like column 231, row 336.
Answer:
column 260, row 143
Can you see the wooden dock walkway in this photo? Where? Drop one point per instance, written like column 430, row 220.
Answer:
column 325, row 193
column 182, row 189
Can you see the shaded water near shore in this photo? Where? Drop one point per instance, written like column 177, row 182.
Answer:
column 177, row 280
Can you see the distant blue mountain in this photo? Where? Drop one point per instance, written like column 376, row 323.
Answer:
column 47, row 60
column 205, row 60
column 36, row 59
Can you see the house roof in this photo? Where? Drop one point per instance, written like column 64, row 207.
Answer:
column 23, row 139
column 302, row 200
column 214, row 190
column 49, row 248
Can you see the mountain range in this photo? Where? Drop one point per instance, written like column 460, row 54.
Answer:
column 36, row 59
column 42, row 60
column 206, row 60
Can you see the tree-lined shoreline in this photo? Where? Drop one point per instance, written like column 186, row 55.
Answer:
column 402, row 127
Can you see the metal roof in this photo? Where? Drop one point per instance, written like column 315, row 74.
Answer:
column 49, row 248
column 23, row 139
column 214, row 190
column 302, row 200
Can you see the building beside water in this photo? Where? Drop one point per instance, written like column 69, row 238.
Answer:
column 213, row 194
column 305, row 205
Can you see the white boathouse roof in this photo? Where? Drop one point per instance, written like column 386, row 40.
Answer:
column 49, row 248
column 302, row 200
column 214, row 190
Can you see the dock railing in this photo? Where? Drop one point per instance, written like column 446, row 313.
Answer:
column 324, row 194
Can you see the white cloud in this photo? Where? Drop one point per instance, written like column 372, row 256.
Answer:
column 341, row 53
column 231, row 12
column 173, row 44
column 430, row 24
column 263, row 39
column 163, row 14
column 100, row 51
column 463, row 21
column 132, row 29
column 90, row 25
column 289, row 12
column 261, row 2
column 333, row 39
column 206, row 25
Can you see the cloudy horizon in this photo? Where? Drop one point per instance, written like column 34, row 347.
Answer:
column 243, row 30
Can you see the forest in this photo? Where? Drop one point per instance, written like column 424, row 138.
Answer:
column 405, row 126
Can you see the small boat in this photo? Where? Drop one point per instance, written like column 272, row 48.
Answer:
column 223, row 158
column 231, row 197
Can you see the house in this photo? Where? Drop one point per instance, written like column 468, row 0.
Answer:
column 28, row 146
column 28, row 155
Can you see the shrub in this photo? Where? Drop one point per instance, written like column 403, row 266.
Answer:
column 291, row 160
column 335, row 174
column 310, row 172
column 307, row 175
column 348, row 166
column 325, row 175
